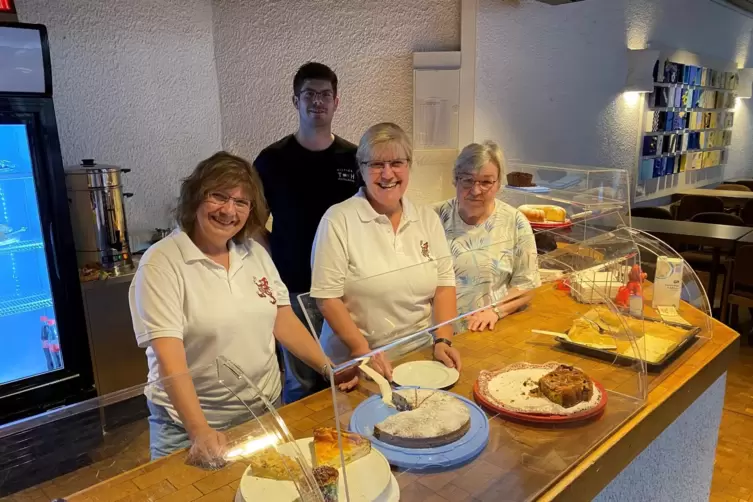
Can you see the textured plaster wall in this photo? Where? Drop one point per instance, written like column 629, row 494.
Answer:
column 678, row 465
column 260, row 45
column 135, row 85
column 549, row 79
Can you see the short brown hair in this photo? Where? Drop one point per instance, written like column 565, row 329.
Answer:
column 222, row 171
column 313, row 71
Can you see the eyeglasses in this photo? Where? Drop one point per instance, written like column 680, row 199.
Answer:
column 467, row 182
column 379, row 165
column 311, row 95
column 220, row 199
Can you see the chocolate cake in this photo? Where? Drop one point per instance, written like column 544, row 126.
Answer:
column 566, row 386
column 437, row 418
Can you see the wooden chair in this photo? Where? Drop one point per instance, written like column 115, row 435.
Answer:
column 746, row 213
column 747, row 183
column 733, row 186
column 658, row 213
column 719, row 219
column 701, row 259
column 690, row 205
column 741, row 294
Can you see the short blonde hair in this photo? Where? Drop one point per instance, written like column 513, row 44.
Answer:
column 379, row 134
column 222, row 171
column 474, row 156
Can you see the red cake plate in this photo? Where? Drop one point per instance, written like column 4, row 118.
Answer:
column 543, row 418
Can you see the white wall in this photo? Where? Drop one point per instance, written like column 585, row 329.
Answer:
column 260, row 45
column 549, row 79
column 135, row 86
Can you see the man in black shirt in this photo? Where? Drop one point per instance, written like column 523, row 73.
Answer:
column 303, row 175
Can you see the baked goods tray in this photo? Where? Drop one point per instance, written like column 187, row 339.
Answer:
column 653, row 366
column 541, row 225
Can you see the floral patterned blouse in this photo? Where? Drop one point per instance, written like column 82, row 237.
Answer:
column 491, row 257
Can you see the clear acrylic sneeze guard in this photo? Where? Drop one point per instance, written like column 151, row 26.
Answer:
column 575, row 318
column 99, row 449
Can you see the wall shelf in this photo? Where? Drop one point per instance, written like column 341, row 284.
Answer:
column 679, row 73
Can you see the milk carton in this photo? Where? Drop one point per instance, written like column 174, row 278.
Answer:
column 668, row 282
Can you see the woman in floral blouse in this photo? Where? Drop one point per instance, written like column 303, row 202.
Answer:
column 491, row 242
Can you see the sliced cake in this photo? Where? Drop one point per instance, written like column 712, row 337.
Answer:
column 437, row 418
column 327, row 449
column 566, row 386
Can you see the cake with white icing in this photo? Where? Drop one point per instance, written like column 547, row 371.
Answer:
column 437, row 418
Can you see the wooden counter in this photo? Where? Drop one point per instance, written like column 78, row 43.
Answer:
column 520, row 461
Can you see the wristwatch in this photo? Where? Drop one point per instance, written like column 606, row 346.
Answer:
column 325, row 371
column 443, row 340
column 496, row 310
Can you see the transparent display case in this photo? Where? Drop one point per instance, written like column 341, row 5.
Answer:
column 578, row 343
column 517, row 415
column 100, row 449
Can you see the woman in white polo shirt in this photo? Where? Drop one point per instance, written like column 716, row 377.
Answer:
column 209, row 290
column 379, row 232
column 493, row 247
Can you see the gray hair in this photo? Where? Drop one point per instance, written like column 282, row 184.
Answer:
column 473, row 157
column 379, row 134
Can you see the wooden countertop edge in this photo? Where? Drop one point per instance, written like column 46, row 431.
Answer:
column 601, row 466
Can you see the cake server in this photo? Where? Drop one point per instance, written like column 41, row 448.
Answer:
column 565, row 337
column 390, row 398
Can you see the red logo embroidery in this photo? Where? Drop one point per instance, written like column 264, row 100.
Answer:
column 425, row 249
column 265, row 290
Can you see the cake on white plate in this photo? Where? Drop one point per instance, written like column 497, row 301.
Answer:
column 437, row 419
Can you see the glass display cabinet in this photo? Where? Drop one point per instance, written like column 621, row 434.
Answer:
column 535, row 393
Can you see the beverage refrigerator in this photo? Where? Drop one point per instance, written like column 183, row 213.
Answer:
column 44, row 355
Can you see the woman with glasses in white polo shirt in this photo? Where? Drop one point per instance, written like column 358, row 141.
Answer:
column 379, row 232
column 209, row 290
column 493, row 247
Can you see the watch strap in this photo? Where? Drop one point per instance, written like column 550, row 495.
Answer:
column 443, row 340
column 496, row 310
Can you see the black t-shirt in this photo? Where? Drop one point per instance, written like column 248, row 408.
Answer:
column 300, row 185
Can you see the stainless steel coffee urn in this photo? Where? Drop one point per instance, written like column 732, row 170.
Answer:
column 95, row 198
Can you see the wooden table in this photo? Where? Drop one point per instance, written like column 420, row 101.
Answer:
column 731, row 198
column 520, row 461
column 718, row 237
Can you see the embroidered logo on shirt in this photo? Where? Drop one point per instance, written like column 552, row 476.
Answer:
column 425, row 249
column 345, row 174
column 265, row 290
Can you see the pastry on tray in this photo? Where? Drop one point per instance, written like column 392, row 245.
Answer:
column 542, row 213
column 437, row 419
column 566, row 386
column 327, row 449
column 585, row 332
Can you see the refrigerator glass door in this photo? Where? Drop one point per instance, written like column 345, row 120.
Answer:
column 29, row 339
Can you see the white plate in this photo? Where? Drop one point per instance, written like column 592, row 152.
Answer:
column 392, row 493
column 425, row 374
column 368, row 479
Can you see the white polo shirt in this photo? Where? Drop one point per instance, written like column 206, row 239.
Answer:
column 386, row 279
column 179, row 292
